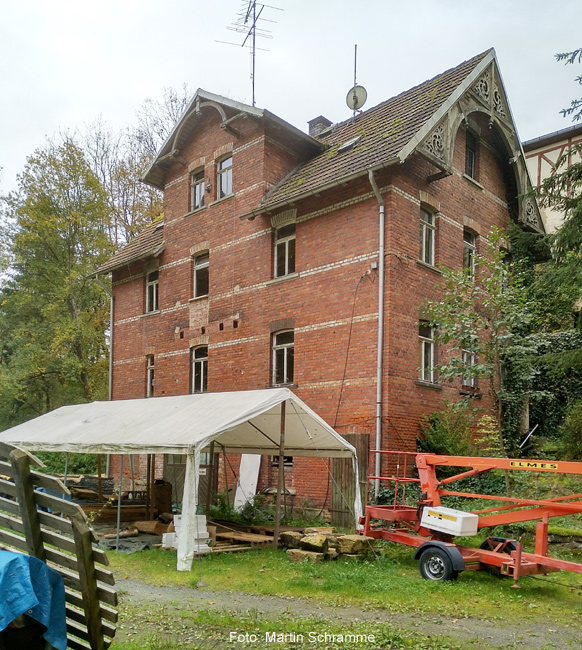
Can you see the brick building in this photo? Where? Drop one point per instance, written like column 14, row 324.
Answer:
column 278, row 250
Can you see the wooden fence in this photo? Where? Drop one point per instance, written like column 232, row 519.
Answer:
column 56, row 531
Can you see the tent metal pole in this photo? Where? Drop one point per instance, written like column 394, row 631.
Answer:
column 281, row 477
column 132, row 469
column 148, row 480
column 119, row 501
column 209, row 479
column 225, row 479
column 66, row 468
column 99, row 482
column 152, row 487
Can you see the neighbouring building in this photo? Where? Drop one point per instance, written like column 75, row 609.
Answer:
column 279, row 249
column 541, row 155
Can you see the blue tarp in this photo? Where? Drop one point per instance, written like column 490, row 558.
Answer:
column 28, row 586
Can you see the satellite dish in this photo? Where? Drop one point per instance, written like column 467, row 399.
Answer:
column 356, row 98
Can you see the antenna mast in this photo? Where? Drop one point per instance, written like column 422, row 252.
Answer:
column 248, row 23
column 357, row 95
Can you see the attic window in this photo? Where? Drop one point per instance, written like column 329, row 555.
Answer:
column 348, row 144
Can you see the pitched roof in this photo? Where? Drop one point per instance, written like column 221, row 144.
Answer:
column 149, row 243
column 376, row 137
column 186, row 125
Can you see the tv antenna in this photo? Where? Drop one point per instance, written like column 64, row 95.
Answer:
column 357, row 96
column 248, row 23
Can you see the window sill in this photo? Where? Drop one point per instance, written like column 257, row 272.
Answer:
column 151, row 313
column 429, row 267
column 197, row 298
column 283, row 278
column 201, row 209
column 470, row 392
column 224, row 198
column 472, row 180
column 428, row 384
column 290, row 386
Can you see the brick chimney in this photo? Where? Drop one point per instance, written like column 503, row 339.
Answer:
column 317, row 125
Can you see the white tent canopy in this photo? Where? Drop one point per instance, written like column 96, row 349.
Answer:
column 243, row 422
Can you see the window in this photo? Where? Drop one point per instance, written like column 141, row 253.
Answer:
column 224, row 177
column 201, row 279
column 427, row 236
column 152, row 287
column 196, row 190
column 287, row 461
column 471, row 142
column 283, row 352
column 199, row 375
column 285, row 250
column 469, row 240
column 427, row 353
column 469, row 360
column 150, row 376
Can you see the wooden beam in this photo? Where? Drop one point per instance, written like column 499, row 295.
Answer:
column 26, row 496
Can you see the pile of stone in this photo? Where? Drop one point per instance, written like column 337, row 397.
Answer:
column 319, row 544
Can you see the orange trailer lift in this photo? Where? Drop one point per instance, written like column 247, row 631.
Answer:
column 430, row 527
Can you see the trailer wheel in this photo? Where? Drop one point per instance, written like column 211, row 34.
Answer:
column 435, row 564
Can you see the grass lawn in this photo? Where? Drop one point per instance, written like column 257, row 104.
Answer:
column 391, row 582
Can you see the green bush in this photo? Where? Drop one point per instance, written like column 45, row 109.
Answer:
column 571, row 433
column 450, row 430
column 78, row 463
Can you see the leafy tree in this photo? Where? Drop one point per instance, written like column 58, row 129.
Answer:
column 575, row 108
column 156, row 119
column 119, row 162
column 52, row 316
column 120, row 159
column 485, row 314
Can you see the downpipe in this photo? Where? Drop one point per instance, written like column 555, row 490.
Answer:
column 380, row 344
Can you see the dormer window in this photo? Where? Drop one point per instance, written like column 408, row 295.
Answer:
column 348, row 144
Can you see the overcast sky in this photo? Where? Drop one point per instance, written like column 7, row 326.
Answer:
column 65, row 63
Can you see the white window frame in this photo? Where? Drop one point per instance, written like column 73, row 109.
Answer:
column 150, row 375
column 284, row 249
column 282, row 353
column 469, row 251
column 427, row 352
column 469, row 360
column 201, row 266
column 199, row 363
column 427, row 236
column 196, row 190
column 152, row 291
column 224, row 177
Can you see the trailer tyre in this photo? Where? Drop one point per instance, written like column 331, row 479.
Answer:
column 435, row 564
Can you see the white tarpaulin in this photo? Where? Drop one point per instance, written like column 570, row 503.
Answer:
column 244, row 422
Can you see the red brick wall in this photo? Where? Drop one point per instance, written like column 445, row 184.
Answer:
column 336, row 244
